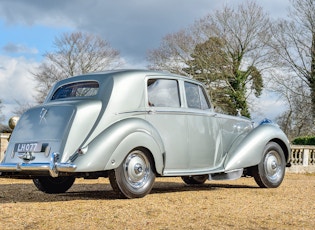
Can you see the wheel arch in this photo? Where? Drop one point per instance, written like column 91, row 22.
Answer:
column 284, row 148
column 137, row 140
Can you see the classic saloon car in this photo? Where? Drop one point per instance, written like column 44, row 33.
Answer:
column 134, row 125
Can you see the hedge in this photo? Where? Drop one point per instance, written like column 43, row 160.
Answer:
column 308, row 140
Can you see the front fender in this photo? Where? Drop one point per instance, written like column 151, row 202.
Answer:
column 248, row 151
column 110, row 147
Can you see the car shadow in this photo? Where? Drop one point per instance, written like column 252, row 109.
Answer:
column 162, row 187
column 13, row 193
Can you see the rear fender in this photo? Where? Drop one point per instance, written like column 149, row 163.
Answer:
column 134, row 140
column 110, row 147
column 248, row 151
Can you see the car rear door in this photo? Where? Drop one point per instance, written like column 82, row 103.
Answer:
column 165, row 114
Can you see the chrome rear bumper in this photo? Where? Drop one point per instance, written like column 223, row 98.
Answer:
column 53, row 167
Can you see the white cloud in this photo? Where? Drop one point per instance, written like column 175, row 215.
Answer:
column 16, row 83
column 268, row 105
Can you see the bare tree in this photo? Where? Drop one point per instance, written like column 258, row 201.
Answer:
column 294, row 45
column 3, row 127
column 243, row 32
column 173, row 53
column 296, row 120
column 75, row 53
column 21, row 107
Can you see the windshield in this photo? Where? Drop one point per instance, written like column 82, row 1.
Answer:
column 77, row 89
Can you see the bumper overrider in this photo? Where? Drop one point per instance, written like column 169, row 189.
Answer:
column 53, row 167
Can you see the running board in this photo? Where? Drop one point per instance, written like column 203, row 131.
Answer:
column 231, row 175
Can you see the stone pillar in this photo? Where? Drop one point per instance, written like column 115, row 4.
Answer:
column 306, row 154
column 3, row 144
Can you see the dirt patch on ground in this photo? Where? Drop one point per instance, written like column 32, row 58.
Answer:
column 91, row 204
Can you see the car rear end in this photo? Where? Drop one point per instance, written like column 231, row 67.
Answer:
column 47, row 137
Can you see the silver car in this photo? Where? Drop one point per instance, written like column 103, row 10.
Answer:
column 134, row 125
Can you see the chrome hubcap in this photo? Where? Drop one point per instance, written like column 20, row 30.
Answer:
column 137, row 169
column 273, row 166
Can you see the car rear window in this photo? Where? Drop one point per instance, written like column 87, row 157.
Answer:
column 77, row 89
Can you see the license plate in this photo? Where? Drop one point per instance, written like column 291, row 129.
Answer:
column 28, row 147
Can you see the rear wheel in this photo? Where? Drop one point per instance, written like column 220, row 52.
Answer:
column 135, row 177
column 200, row 179
column 53, row 185
column 269, row 173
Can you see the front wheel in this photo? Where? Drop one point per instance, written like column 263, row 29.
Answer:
column 135, row 177
column 269, row 173
column 54, row 185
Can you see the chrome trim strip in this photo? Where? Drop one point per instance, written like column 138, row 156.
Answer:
column 179, row 111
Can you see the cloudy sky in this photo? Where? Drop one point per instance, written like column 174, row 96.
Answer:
column 28, row 29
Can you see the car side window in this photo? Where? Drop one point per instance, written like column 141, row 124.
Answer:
column 163, row 93
column 195, row 96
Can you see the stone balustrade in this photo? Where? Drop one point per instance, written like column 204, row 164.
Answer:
column 302, row 159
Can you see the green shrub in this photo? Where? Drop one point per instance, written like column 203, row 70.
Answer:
column 308, row 140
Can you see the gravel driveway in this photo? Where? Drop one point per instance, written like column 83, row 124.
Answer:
column 91, row 204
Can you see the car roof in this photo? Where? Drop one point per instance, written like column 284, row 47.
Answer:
column 131, row 77
column 121, row 73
